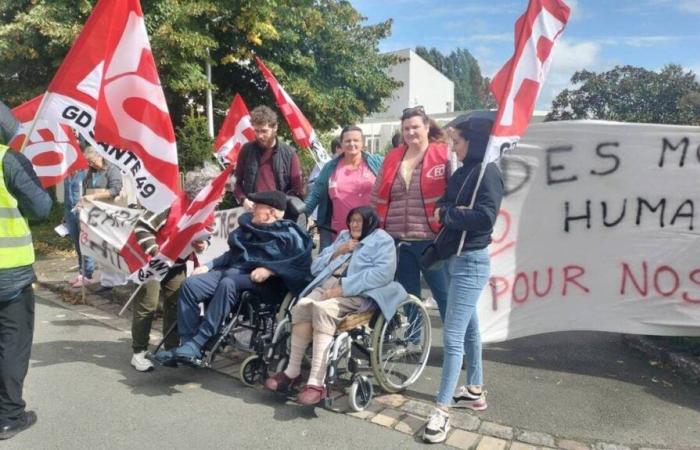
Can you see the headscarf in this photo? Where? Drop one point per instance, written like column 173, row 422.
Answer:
column 370, row 219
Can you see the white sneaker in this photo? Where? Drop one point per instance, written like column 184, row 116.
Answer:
column 431, row 303
column 438, row 426
column 140, row 362
column 464, row 398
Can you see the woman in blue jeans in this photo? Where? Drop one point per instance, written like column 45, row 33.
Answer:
column 467, row 235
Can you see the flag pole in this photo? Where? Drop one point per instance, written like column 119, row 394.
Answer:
column 36, row 118
column 131, row 299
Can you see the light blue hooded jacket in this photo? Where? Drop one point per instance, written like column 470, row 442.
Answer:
column 370, row 272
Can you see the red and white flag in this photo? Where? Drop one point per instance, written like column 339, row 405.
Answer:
column 235, row 131
column 53, row 149
column 518, row 84
column 302, row 131
column 108, row 89
column 191, row 226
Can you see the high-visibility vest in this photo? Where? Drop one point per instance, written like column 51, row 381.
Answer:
column 16, row 249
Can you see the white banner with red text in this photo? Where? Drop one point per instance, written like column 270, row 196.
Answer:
column 598, row 231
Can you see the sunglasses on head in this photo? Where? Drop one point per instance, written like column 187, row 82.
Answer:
column 411, row 109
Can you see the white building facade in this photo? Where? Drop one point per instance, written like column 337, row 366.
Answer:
column 422, row 84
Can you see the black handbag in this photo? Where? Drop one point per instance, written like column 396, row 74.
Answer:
column 447, row 242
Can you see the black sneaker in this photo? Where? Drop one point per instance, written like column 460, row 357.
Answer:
column 438, row 426
column 25, row 421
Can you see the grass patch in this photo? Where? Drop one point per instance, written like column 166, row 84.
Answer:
column 46, row 241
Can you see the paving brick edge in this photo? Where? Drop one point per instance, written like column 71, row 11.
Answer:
column 378, row 408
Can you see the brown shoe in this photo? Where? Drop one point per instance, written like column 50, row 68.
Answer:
column 311, row 394
column 280, row 382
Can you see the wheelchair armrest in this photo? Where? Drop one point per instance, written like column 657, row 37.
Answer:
column 356, row 320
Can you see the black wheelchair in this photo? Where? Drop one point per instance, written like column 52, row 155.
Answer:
column 250, row 325
column 394, row 351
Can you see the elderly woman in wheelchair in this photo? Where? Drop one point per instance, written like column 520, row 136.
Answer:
column 354, row 274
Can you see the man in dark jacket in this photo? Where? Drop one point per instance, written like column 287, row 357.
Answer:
column 21, row 196
column 266, row 164
column 267, row 254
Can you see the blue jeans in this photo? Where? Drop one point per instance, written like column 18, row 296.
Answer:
column 218, row 291
column 469, row 273
column 409, row 272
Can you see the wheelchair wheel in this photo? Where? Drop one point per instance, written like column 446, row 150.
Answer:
column 252, row 370
column 401, row 346
column 360, row 393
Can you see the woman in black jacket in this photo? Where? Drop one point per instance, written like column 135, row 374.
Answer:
column 467, row 236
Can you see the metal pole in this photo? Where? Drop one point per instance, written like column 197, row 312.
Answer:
column 210, row 106
column 82, row 257
column 131, row 299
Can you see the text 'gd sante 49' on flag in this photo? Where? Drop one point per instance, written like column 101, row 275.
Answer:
column 108, row 90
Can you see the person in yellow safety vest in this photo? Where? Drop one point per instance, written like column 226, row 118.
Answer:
column 21, row 197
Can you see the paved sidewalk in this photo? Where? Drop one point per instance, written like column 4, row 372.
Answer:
column 406, row 413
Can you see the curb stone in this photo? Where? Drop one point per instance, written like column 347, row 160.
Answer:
column 496, row 430
column 393, row 411
column 536, row 438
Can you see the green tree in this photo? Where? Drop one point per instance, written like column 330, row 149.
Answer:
column 193, row 141
column 471, row 88
column 322, row 51
column 631, row 94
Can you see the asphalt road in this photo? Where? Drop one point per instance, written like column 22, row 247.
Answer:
column 87, row 396
column 583, row 385
column 580, row 385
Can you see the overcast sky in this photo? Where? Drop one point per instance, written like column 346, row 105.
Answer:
column 600, row 33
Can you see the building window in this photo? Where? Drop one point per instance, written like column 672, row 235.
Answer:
column 372, row 143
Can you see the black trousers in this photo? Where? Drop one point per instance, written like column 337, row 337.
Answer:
column 16, row 333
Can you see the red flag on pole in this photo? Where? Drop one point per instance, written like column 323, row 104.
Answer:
column 191, row 226
column 302, row 131
column 517, row 85
column 53, row 149
column 235, row 131
column 108, row 89
column 519, row 82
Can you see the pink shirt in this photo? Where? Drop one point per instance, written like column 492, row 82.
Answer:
column 349, row 189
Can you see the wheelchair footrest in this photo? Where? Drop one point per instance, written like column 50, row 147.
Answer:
column 194, row 362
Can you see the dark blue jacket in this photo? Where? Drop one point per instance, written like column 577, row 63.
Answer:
column 281, row 247
column 478, row 221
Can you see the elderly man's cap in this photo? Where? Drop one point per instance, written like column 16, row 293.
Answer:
column 276, row 199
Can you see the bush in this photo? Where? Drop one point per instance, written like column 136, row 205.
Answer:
column 193, row 142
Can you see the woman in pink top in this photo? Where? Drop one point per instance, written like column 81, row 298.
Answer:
column 344, row 183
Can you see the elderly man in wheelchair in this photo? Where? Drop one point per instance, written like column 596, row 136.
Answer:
column 354, row 274
column 266, row 255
